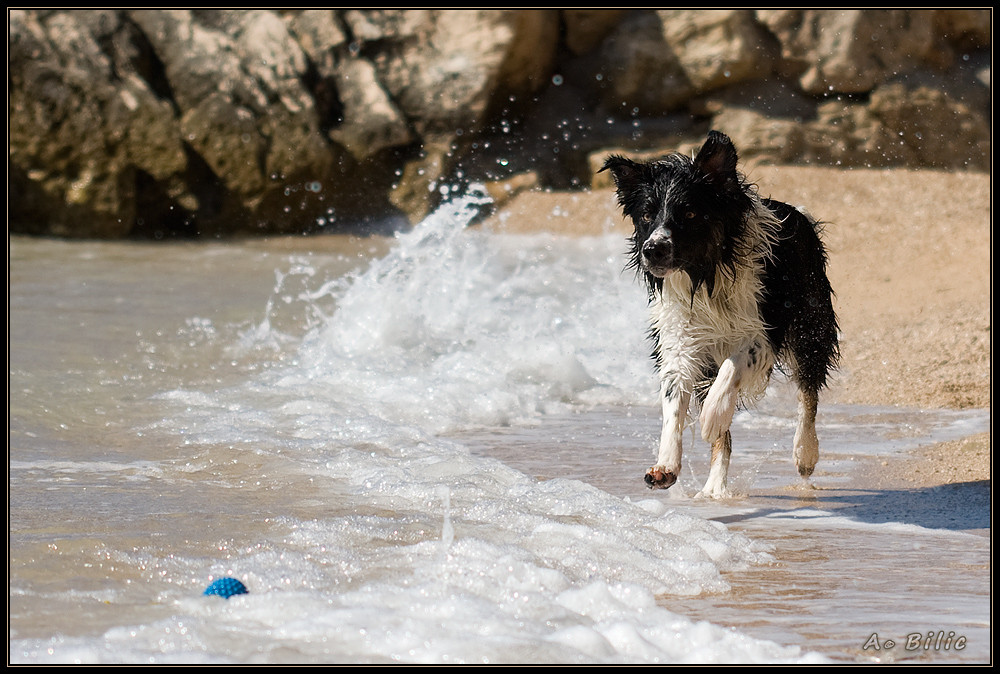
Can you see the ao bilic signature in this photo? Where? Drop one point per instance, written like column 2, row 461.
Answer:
column 918, row 641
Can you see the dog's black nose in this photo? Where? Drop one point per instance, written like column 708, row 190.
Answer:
column 658, row 251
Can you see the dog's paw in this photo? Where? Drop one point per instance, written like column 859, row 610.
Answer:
column 658, row 477
column 715, row 487
column 716, row 492
column 806, row 453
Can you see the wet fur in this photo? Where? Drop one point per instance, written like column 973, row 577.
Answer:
column 737, row 286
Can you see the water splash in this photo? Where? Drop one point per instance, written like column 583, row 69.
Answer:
column 456, row 326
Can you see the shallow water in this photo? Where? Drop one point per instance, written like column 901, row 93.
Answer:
column 430, row 449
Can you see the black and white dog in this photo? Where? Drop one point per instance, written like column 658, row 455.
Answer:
column 737, row 285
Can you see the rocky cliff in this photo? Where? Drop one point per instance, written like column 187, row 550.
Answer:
column 164, row 123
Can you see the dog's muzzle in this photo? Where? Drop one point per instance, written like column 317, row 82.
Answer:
column 658, row 254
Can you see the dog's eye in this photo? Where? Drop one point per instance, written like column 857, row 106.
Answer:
column 646, row 217
column 690, row 215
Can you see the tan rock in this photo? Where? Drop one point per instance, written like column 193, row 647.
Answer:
column 849, row 50
column 717, row 47
column 371, row 122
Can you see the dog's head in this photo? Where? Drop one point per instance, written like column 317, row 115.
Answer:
column 689, row 214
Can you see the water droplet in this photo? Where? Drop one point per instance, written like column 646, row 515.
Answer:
column 557, row 80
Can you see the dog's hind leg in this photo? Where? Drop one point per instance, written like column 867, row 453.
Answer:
column 806, row 444
column 812, row 360
column 668, row 460
column 715, row 486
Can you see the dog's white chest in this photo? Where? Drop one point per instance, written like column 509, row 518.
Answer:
column 697, row 334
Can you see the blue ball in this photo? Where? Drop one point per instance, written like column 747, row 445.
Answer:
column 226, row 588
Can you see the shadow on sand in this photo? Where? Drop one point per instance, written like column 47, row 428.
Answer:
column 961, row 506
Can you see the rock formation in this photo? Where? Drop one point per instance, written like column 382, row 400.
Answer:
column 163, row 123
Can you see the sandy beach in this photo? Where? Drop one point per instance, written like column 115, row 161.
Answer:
column 910, row 266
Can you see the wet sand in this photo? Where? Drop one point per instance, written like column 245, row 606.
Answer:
column 910, row 265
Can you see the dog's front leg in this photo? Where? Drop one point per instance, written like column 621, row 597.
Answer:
column 746, row 364
column 675, row 400
column 751, row 362
column 715, row 486
column 720, row 403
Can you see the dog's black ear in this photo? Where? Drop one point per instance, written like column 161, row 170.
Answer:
column 625, row 171
column 717, row 158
